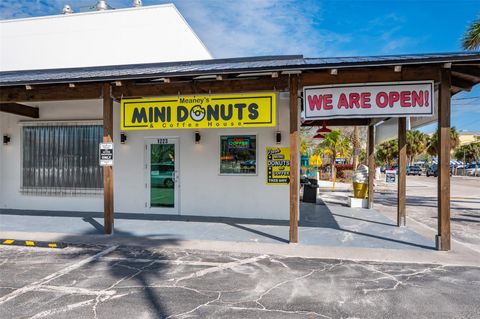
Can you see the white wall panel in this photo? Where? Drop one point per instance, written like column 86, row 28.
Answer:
column 147, row 34
column 202, row 190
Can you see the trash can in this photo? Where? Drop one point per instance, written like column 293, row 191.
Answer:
column 310, row 191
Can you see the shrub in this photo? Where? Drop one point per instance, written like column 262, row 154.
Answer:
column 344, row 167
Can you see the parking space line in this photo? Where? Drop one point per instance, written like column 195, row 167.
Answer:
column 75, row 290
column 55, row 275
column 50, row 312
column 165, row 261
column 224, row 266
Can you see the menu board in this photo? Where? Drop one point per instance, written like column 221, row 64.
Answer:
column 278, row 165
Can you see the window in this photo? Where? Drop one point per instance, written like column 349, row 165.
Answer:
column 61, row 159
column 238, row 154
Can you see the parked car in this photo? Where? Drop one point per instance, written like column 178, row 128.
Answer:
column 414, row 170
column 472, row 169
column 433, row 170
column 162, row 175
column 389, row 168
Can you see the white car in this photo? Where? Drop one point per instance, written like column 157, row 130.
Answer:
column 472, row 170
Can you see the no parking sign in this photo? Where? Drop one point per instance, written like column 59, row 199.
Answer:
column 106, row 154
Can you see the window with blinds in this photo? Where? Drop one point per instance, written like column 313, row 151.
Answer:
column 61, row 159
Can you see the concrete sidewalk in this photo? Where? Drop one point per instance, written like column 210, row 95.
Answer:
column 327, row 229
column 323, row 224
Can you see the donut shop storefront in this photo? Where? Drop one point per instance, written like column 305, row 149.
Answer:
column 213, row 138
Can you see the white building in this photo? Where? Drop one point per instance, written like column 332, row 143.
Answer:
column 123, row 37
column 205, row 137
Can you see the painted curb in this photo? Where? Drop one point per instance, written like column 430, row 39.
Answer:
column 32, row 243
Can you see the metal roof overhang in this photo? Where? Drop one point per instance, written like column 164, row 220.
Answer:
column 465, row 68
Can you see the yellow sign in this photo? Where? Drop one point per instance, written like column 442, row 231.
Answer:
column 199, row 111
column 278, row 165
column 315, row 160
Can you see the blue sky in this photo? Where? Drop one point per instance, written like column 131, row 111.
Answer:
column 314, row 29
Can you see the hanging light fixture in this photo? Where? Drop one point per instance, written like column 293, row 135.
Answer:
column 324, row 128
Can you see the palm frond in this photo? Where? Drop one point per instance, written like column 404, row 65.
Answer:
column 471, row 39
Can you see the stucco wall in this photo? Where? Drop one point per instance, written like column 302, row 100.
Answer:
column 10, row 159
column 203, row 191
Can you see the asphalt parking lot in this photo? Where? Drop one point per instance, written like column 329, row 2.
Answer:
column 125, row 282
column 422, row 204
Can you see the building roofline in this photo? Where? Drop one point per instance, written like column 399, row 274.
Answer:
column 223, row 66
column 75, row 14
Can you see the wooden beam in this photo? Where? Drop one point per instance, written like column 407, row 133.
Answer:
column 371, row 164
column 131, row 89
column 20, row 109
column 402, row 171
column 365, row 75
column 294, row 161
column 443, row 236
column 469, row 70
column 462, row 83
column 376, row 120
column 107, row 170
column 57, row 92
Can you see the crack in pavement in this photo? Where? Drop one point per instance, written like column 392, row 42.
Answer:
column 99, row 298
column 55, row 275
column 393, row 277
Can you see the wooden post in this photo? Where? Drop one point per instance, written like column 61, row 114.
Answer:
column 371, row 164
column 443, row 236
column 402, row 171
column 107, row 170
column 294, row 162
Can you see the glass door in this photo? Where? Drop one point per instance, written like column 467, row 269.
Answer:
column 162, row 175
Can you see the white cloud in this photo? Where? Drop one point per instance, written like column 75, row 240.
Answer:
column 228, row 28
column 232, row 28
column 261, row 27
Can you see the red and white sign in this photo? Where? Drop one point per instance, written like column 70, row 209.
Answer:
column 395, row 99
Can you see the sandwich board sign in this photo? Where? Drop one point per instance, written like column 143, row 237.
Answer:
column 390, row 175
column 106, row 154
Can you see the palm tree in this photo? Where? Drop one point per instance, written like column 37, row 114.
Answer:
column 471, row 39
column 469, row 153
column 432, row 145
column 306, row 143
column 416, row 144
column 387, row 152
column 333, row 146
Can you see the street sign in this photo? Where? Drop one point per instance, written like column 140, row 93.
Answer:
column 106, row 154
